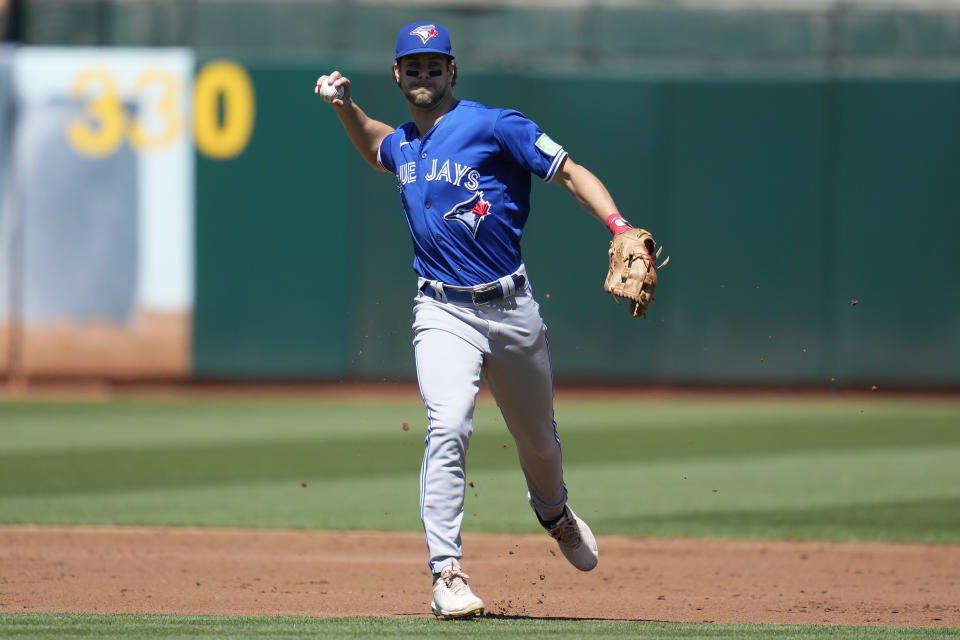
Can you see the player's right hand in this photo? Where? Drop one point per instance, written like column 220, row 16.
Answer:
column 336, row 79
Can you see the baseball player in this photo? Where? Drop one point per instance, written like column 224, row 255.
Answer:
column 463, row 173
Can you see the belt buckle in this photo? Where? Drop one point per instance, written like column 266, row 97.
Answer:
column 484, row 290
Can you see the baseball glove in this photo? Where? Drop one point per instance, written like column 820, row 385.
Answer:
column 632, row 273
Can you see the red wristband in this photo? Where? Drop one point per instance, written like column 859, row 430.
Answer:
column 617, row 224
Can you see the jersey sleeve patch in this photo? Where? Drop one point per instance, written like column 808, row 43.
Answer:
column 557, row 161
column 547, row 145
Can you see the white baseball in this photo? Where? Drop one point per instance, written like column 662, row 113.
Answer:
column 328, row 92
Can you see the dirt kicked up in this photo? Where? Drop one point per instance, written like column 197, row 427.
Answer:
column 308, row 573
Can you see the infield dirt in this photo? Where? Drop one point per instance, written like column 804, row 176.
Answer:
column 308, row 573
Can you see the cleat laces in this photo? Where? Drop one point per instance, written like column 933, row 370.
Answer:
column 566, row 532
column 455, row 579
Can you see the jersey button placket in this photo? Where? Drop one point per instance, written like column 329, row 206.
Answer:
column 426, row 203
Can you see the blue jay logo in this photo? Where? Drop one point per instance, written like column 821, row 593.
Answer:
column 470, row 212
column 425, row 32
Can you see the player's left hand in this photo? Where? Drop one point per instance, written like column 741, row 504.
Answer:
column 633, row 274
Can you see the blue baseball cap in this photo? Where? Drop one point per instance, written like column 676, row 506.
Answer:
column 423, row 37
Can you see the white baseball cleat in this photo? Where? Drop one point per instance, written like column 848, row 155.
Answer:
column 575, row 539
column 452, row 597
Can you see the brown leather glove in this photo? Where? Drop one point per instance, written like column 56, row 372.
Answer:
column 632, row 274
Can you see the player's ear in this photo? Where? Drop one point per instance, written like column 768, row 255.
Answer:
column 396, row 73
column 453, row 73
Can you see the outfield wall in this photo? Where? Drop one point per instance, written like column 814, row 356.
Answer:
column 809, row 220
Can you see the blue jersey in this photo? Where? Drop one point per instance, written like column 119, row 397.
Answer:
column 465, row 189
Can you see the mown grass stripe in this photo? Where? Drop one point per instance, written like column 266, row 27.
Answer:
column 275, row 456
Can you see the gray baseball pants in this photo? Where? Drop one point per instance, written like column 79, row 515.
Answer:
column 503, row 343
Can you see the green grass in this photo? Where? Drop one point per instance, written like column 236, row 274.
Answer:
column 865, row 468
column 57, row 626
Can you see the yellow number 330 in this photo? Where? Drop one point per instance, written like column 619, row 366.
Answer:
column 223, row 101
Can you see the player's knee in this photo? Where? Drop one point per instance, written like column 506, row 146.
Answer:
column 541, row 448
column 452, row 419
column 450, row 438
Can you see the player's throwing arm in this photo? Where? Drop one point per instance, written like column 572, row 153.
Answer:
column 365, row 132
